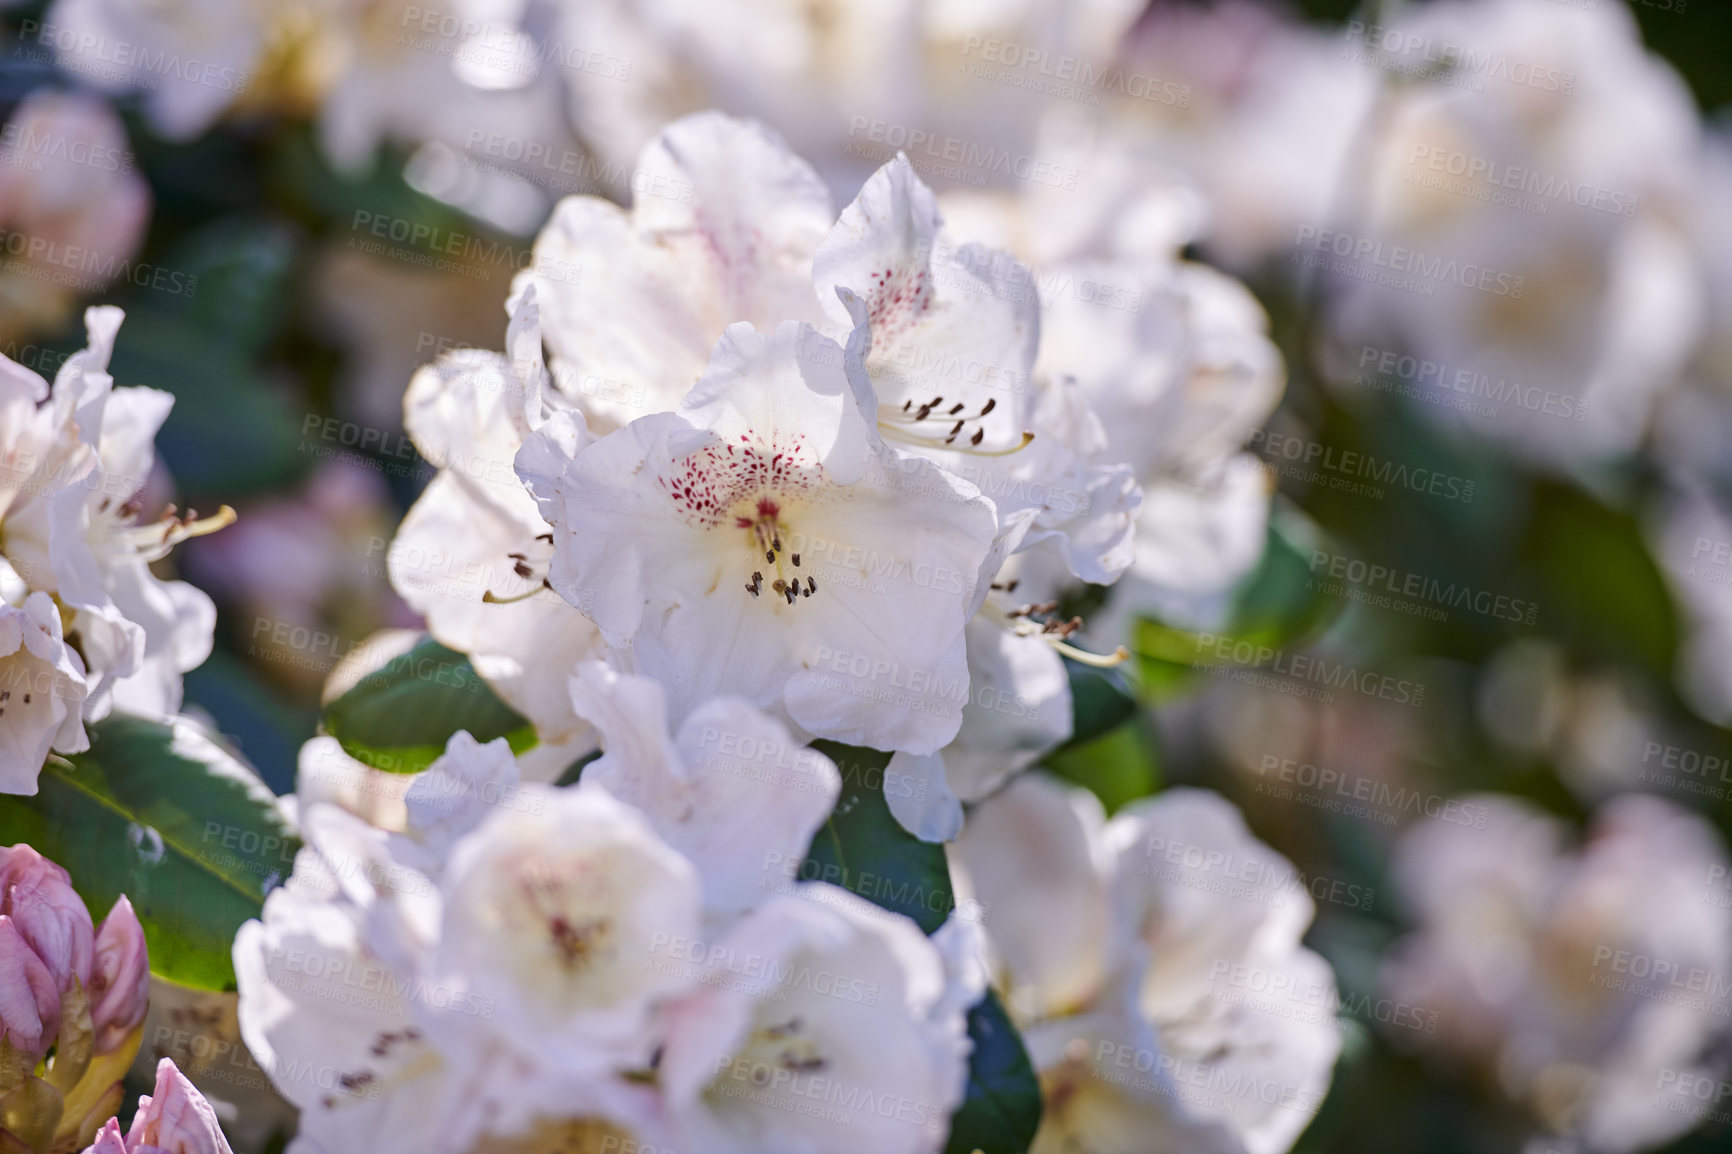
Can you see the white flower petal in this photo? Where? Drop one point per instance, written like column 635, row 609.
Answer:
column 920, row 798
column 722, row 231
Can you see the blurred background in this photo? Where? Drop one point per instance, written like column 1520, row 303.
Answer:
column 1494, row 243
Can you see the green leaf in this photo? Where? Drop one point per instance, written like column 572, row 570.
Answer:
column 1001, row 1111
column 1603, row 591
column 163, row 814
column 1118, row 768
column 399, row 718
column 1101, row 701
column 863, row 849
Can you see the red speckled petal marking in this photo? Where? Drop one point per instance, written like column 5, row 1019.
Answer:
column 708, row 485
column 897, row 300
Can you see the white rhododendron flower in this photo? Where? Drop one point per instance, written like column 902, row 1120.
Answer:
column 414, row 1040
column 955, row 332
column 939, row 323
column 1581, row 976
column 728, row 223
column 853, row 1011
column 473, row 552
column 1173, row 370
column 90, row 627
column 722, row 229
column 528, row 963
column 1562, row 299
column 764, row 538
column 1128, row 957
column 552, row 916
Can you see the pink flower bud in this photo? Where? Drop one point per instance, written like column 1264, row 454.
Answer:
column 108, row 1140
column 175, row 1119
column 38, row 896
column 29, row 1001
column 119, row 978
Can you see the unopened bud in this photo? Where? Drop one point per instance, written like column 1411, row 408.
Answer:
column 119, row 978
column 56, row 975
column 108, row 1140
column 29, row 1001
column 174, row 1118
column 38, row 896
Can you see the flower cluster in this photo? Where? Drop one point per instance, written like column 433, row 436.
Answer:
column 1154, row 965
column 1589, row 982
column 86, row 627
column 529, row 966
column 762, row 474
column 865, row 508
